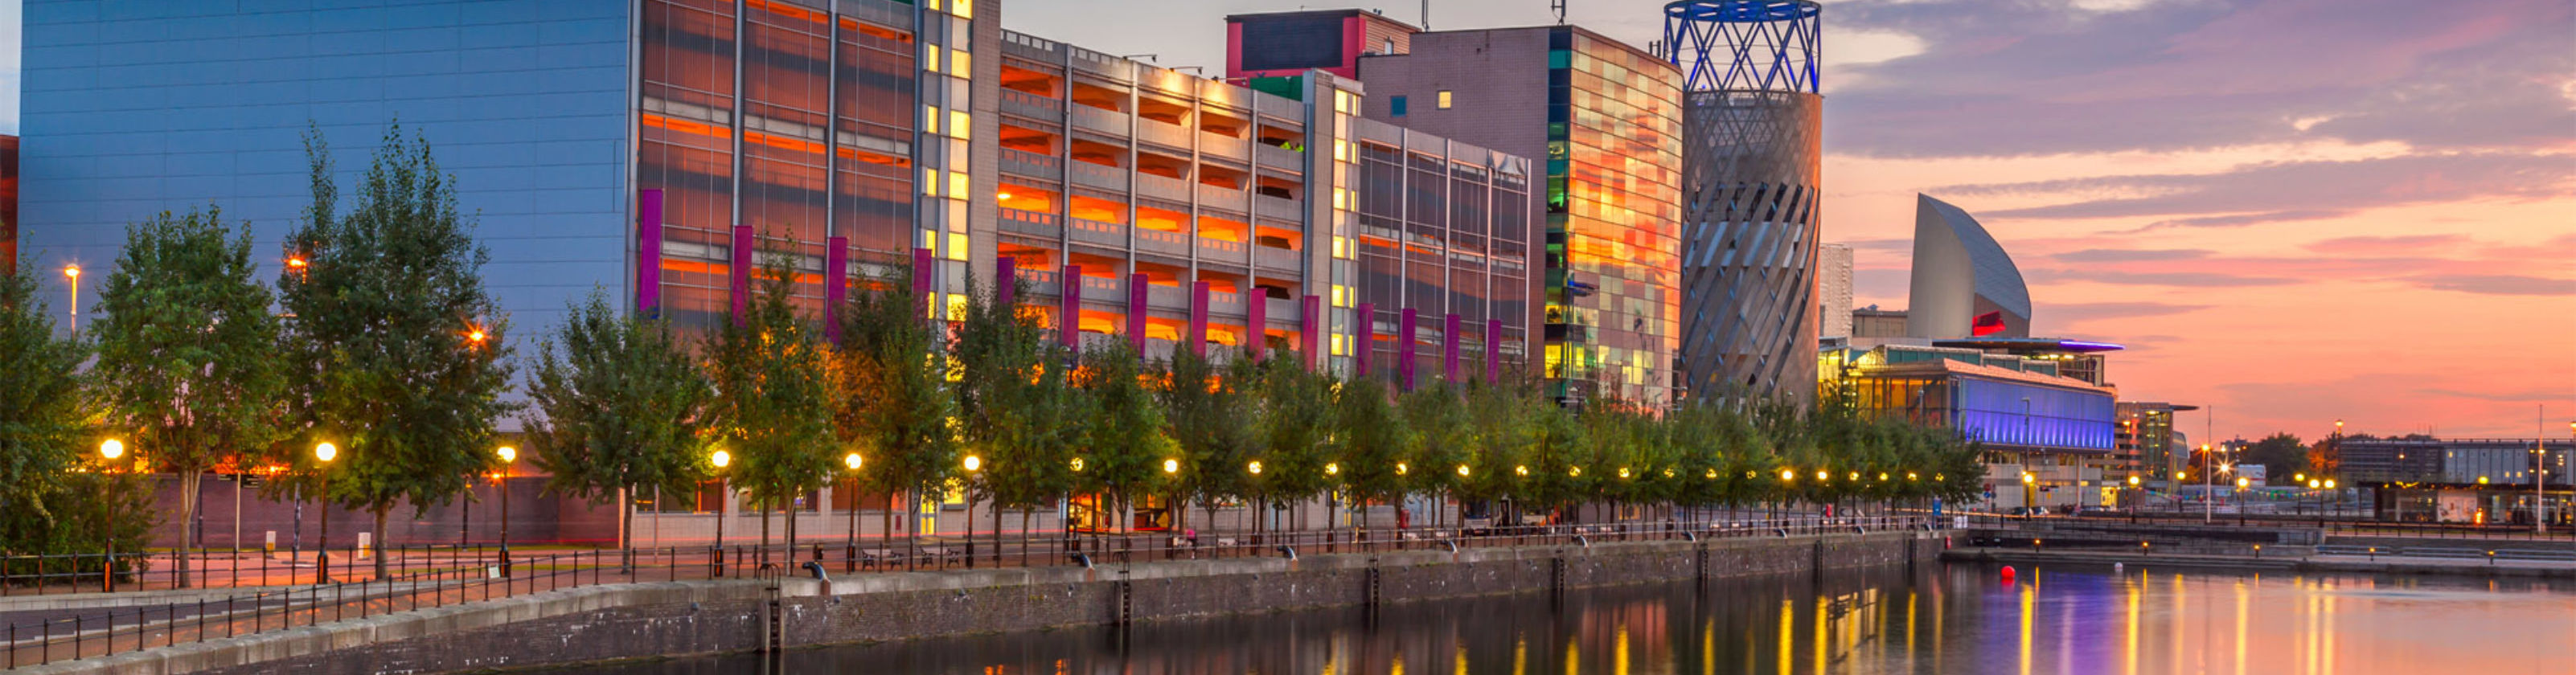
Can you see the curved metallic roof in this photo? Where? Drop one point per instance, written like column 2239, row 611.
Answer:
column 1998, row 280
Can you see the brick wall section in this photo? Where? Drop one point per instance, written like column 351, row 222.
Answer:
column 677, row 619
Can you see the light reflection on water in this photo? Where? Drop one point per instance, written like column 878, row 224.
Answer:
column 1959, row 619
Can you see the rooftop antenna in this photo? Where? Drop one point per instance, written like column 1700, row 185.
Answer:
column 1559, row 6
column 1426, row 14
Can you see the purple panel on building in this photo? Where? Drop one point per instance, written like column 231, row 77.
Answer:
column 743, row 259
column 1493, row 351
column 1006, row 281
column 922, row 269
column 1198, row 318
column 1404, row 348
column 1068, row 318
column 648, row 252
column 1368, row 338
column 1256, row 324
column 1449, row 350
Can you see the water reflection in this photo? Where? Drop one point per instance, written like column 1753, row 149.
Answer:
column 1960, row 619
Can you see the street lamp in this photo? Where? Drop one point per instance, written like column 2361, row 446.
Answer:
column 111, row 448
column 72, row 272
column 724, row 495
column 973, row 466
column 508, row 455
column 324, row 452
column 1254, row 467
column 2029, row 494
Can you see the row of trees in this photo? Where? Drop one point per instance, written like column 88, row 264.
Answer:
column 381, row 340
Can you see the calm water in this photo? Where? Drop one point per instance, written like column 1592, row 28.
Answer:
column 1958, row 619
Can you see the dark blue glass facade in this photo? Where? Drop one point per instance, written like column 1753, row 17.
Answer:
column 2028, row 415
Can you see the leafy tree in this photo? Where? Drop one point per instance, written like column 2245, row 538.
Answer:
column 186, row 352
column 396, row 352
column 1216, row 422
column 1297, row 422
column 1020, row 415
column 774, row 398
column 2281, row 454
column 618, row 405
column 1442, row 440
column 1498, row 440
column 895, row 406
column 43, row 424
column 1127, row 441
column 1372, row 443
column 1556, row 456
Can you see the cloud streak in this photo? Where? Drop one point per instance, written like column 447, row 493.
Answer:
column 2495, row 284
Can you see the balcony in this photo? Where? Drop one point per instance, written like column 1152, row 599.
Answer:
column 1173, row 244
column 1160, row 187
column 1104, row 291
column 1032, row 223
column 1281, row 309
column 1109, row 178
column 1032, row 106
column 1211, row 195
column 1042, row 282
column 1219, row 249
column 1279, row 259
column 1266, row 205
column 1221, row 145
column 1166, row 135
column 1111, row 235
column 1225, row 304
column 1159, row 296
column 1279, row 158
column 1032, row 165
column 1109, row 122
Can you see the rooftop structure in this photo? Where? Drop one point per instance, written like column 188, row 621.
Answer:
column 1964, row 284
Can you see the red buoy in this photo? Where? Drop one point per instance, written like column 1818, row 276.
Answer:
column 2008, row 574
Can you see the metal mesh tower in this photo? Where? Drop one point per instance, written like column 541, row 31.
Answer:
column 1752, row 147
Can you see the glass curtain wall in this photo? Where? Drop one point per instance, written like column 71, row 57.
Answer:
column 1614, row 247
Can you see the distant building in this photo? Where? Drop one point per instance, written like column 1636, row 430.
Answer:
column 1834, row 290
column 1964, row 284
column 1873, row 322
column 1607, row 119
column 2148, row 441
column 2461, row 480
column 2026, row 416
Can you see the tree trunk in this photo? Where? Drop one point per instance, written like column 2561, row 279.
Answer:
column 380, row 535
column 626, row 529
column 762, row 554
column 790, row 557
column 187, row 522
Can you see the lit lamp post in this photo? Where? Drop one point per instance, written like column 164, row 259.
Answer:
column 974, row 465
column 2029, row 494
column 854, row 462
column 2208, row 483
column 724, row 495
column 1172, row 502
column 2135, row 495
column 324, row 452
column 501, row 482
column 72, row 274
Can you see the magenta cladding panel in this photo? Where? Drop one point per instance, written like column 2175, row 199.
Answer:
column 1404, row 348
column 1368, row 337
column 1198, row 318
column 922, row 269
column 1006, row 279
column 1310, row 330
column 1068, row 318
column 1493, row 351
column 743, row 258
column 836, row 285
column 648, row 252
column 1256, row 323
column 1136, row 311
column 1449, row 350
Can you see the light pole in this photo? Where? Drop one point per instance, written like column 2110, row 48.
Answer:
column 2136, row 494
column 324, row 452
column 724, row 499
column 854, row 462
column 72, row 272
column 509, row 455
column 2029, row 494
column 974, row 465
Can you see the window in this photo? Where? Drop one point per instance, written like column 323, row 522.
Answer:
column 1444, row 99
column 1395, row 105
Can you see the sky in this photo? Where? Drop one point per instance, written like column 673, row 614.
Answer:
column 2291, row 211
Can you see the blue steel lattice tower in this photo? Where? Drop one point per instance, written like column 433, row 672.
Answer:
column 1751, row 135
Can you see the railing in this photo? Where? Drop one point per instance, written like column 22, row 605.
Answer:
column 1096, row 232
column 1032, row 106
column 1277, row 157
column 1109, row 178
column 1267, row 205
column 1221, row 145
column 431, row 582
column 1159, row 241
column 1101, row 120
column 1278, row 258
column 1230, row 251
column 1162, row 187
column 1211, row 195
column 1225, row 304
column 1031, row 223
column 1162, row 133
column 1032, row 164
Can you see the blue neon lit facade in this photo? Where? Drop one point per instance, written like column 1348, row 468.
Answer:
column 2009, row 403
column 1993, row 412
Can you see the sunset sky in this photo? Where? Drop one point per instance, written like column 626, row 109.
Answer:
column 2291, row 210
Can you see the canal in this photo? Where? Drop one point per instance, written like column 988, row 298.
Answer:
column 1951, row 619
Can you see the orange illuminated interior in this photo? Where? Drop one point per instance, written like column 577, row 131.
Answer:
column 1160, row 274
column 1160, row 219
column 1096, row 266
column 1160, row 328
column 1024, row 80
column 1028, row 257
column 1159, row 110
column 1099, row 210
column 1221, row 284
column 1279, row 237
column 1099, row 153
column 1100, row 97
column 1221, row 229
column 1024, row 139
column 1221, row 123
column 1101, row 321
column 1160, row 165
column 1282, row 188
column 1221, row 176
column 1026, row 198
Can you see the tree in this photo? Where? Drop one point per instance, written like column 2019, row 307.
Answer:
column 1371, row 442
column 1216, row 422
column 774, row 398
column 1020, row 415
column 396, row 353
column 1297, row 421
column 1127, row 441
column 1498, row 442
column 187, row 352
column 43, row 425
column 895, row 406
column 2281, row 454
column 617, row 405
column 1442, row 441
